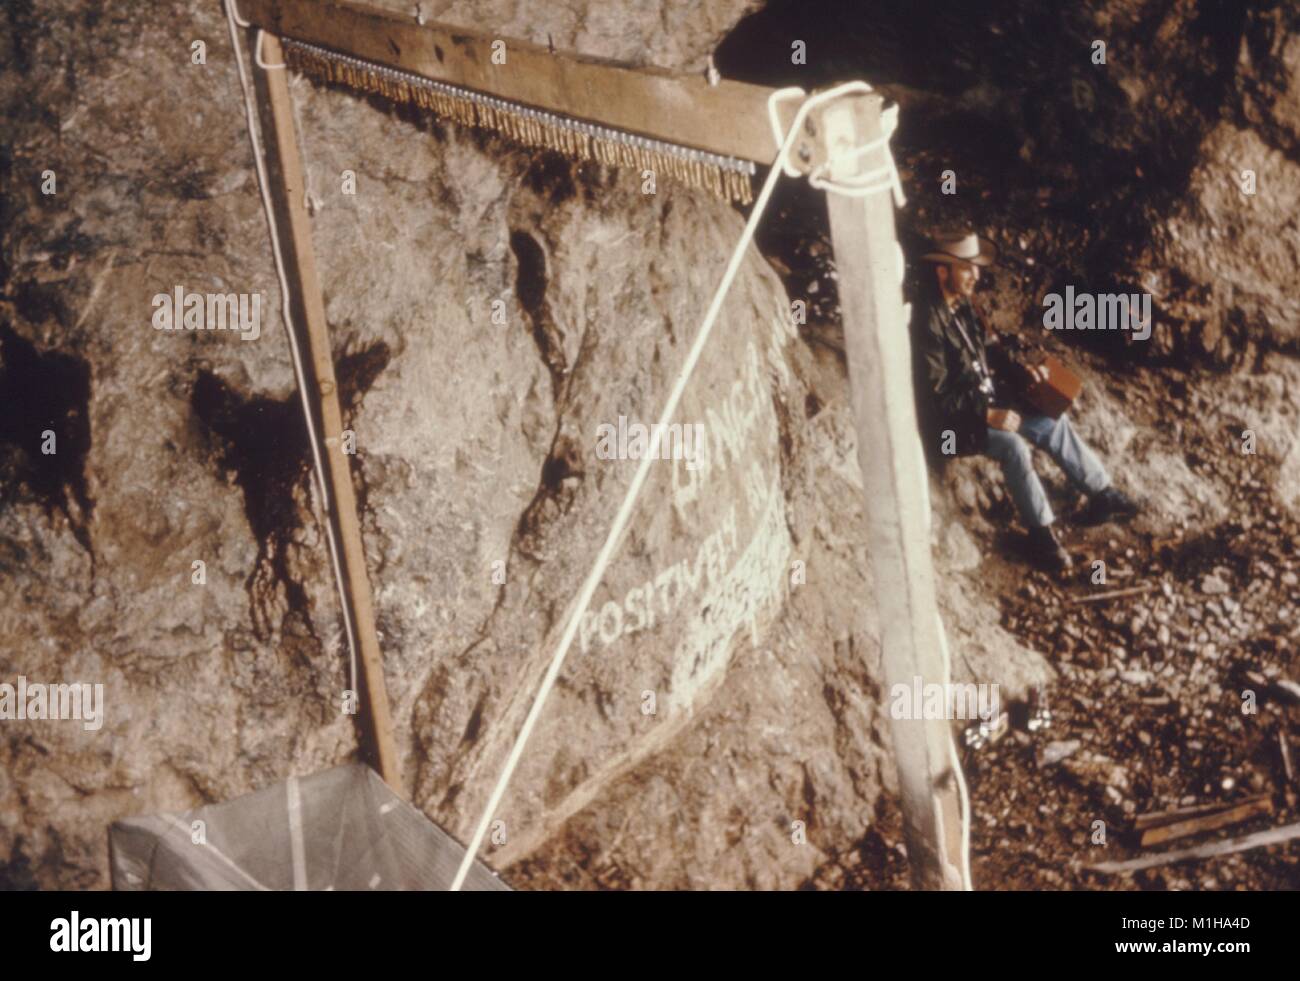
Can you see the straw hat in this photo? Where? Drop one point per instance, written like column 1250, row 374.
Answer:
column 963, row 247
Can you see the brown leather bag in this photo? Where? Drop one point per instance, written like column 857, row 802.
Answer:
column 1054, row 396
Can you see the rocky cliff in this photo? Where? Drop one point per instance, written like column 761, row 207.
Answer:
column 490, row 309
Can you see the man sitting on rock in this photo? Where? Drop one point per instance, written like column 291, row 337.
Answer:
column 967, row 384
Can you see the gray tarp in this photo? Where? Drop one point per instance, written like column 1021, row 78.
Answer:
column 340, row 829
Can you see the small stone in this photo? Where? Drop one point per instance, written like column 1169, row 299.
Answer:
column 1212, row 585
column 1058, row 750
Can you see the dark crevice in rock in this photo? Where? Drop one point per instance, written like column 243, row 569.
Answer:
column 562, row 472
column 262, row 442
column 562, row 469
column 23, row 29
column 356, row 373
column 475, row 721
column 530, row 288
column 45, row 392
column 550, row 177
column 40, row 303
column 19, row 873
column 530, row 277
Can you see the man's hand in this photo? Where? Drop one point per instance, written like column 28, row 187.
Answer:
column 1004, row 419
column 1039, row 373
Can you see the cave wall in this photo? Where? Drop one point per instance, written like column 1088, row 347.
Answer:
column 475, row 446
column 476, row 437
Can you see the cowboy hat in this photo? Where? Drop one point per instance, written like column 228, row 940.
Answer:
column 962, row 247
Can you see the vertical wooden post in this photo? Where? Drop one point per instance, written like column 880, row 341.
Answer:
column 897, row 503
column 307, row 307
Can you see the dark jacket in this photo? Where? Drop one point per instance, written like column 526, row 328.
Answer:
column 947, row 377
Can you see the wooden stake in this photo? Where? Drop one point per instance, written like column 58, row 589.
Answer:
column 1158, row 818
column 1273, row 836
column 1220, row 818
column 1114, row 594
column 287, row 186
column 897, row 500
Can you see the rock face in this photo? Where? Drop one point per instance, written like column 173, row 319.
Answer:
column 490, row 311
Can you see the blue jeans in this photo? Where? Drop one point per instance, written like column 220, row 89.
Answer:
column 1058, row 438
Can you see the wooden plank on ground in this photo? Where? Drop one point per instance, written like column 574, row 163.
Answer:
column 1221, row 818
column 1156, row 818
column 1114, row 594
column 287, row 186
column 1260, row 839
column 730, row 118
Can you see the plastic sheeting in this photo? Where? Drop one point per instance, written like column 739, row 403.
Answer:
column 340, row 829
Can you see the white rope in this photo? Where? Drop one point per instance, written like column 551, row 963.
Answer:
column 257, row 53
column 862, row 185
column 232, row 17
column 629, row 500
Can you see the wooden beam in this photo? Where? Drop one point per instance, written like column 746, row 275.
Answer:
column 1221, row 818
column 1158, row 819
column 1260, row 839
column 730, row 118
column 896, row 490
column 287, row 186
column 1113, row 594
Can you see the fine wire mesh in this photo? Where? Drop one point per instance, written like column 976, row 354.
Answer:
column 353, row 833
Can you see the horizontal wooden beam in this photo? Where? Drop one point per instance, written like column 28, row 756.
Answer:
column 729, row 118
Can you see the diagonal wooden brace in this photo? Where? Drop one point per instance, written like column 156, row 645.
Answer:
column 287, row 185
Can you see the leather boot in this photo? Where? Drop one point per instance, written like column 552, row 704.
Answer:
column 1107, row 505
column 1046, row 551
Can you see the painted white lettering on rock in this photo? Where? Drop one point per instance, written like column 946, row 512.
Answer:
column 752, row 590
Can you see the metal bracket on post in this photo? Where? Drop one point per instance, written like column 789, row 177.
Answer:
column 914, row 649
